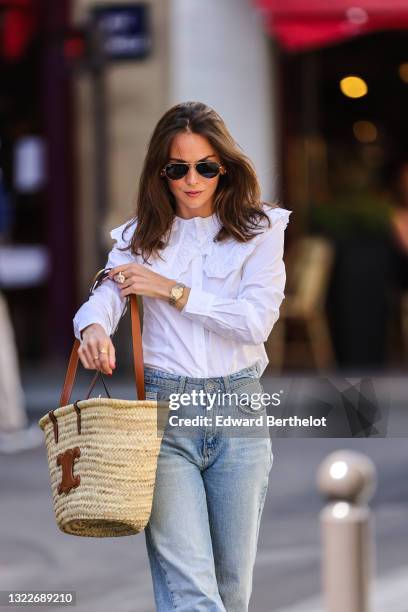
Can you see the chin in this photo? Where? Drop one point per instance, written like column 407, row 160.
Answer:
column 194, row 204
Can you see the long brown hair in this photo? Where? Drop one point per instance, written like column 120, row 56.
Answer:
column 237, row 197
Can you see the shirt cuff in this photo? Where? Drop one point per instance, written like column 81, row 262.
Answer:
column 80, row 325
column 199, row 302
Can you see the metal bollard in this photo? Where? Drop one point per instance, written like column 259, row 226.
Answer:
column 348, row 480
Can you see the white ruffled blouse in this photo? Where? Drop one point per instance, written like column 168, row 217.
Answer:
column 236, row 292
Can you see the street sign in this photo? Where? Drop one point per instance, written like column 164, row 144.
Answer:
column 124, row 30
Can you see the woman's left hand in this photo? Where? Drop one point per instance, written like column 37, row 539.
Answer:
column 141, row 281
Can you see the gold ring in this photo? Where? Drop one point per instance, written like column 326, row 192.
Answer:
column 103, row 352
column 95, row 358
column 120, row 278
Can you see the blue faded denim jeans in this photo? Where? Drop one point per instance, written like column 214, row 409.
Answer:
column 210, row 489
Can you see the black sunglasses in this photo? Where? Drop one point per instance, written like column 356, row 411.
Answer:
column 208, row 169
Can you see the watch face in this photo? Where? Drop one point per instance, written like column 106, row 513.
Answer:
column 177, row 292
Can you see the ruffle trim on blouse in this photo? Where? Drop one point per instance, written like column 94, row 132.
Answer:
column 278, row 214
column 117, row 232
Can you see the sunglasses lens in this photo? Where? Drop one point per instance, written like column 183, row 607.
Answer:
column 176, row 171
column 208, row 169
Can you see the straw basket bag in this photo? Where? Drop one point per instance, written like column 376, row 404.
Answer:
column 102, row 452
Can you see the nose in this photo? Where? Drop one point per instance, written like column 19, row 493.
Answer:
column 192, row 176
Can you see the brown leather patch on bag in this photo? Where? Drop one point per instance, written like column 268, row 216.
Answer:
column 66, row 460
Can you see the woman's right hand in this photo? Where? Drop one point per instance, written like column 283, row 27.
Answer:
column 95, row 340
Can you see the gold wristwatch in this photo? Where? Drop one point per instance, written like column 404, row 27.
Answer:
column 176, row 292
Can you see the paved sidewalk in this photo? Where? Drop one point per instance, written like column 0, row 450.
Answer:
column 113, row 573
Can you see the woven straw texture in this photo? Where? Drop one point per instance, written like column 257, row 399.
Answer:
column 119, row 444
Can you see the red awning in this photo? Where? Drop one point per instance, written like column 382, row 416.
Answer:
column 18, row 25
column 307, row 24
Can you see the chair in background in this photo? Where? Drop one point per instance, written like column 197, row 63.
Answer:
column 309, row 266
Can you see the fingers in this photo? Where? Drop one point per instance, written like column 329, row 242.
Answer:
column 126, row 269
column 124, row 273
column 103, row 360
column 126, row 283
column 98, row 353
column 119, row 274
column 86, row 357
column 112, row 355
column 125, row 291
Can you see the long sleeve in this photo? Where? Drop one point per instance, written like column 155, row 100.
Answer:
column 105, row 305
column 250, row 317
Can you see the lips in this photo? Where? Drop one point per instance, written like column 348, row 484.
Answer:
column 193, row 192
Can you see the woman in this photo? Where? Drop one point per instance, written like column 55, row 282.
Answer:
column 206, row 255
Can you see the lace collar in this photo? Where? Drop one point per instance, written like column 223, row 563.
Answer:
column 200, row 230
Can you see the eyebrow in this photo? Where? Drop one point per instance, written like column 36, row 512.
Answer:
column 183, row 160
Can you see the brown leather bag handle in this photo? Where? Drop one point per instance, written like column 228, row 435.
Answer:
column 137, row 347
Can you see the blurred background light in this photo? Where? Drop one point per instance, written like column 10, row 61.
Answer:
column 353, row 87
column 365, row 131
column 403, row 72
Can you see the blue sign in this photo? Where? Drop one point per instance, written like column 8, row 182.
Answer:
column 124, row 30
